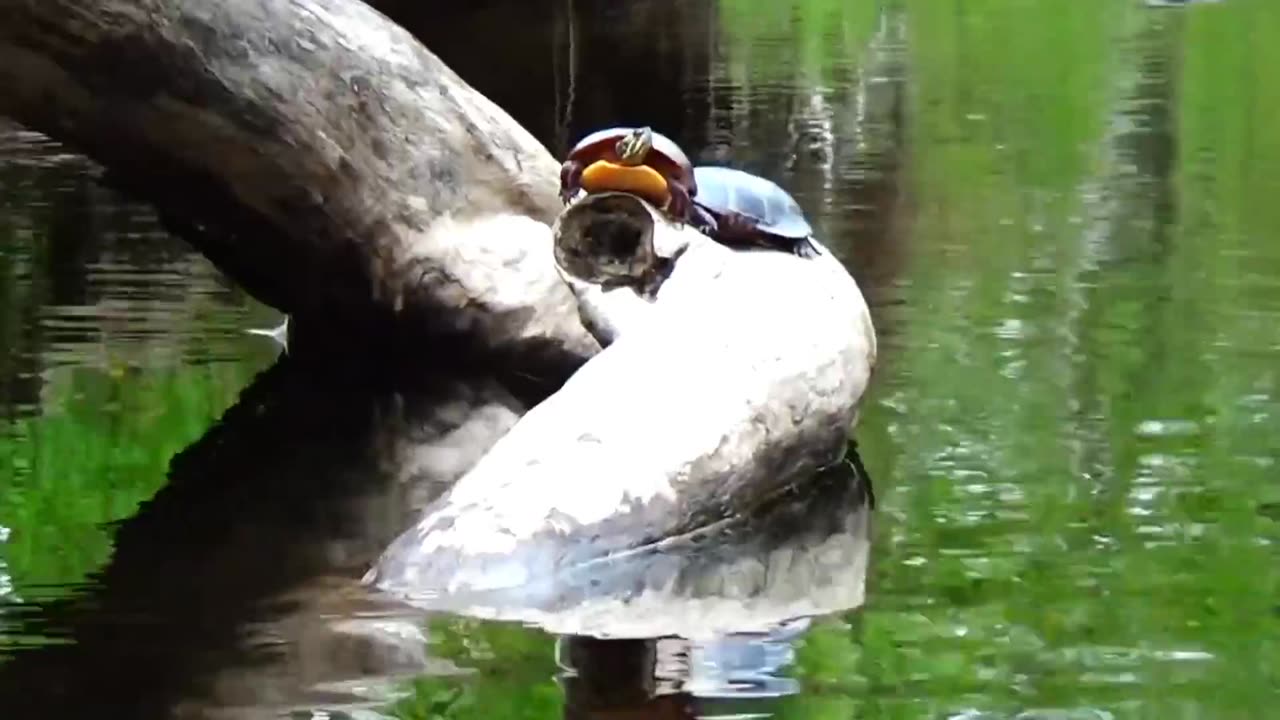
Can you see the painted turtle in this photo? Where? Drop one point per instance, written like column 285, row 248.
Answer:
column 635, row 160
column 747, row 209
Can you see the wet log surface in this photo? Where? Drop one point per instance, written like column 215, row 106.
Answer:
column 317, row 153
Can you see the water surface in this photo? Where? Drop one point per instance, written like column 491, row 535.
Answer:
column 1063, row 215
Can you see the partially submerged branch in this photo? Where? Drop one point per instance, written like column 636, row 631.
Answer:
column 315, row 151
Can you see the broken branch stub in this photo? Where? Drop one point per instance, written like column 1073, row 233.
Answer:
column 605, row 242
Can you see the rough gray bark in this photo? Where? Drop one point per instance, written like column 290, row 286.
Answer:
column 315, row 151
column 727, row 378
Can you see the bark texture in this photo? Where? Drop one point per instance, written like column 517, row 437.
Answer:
column 315, row 151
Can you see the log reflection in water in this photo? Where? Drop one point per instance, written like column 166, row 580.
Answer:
column 233, row 592
column 804, row 552
column 677, row 679
column 744, row 596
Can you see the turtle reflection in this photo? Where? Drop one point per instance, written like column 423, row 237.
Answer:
column 730, row 676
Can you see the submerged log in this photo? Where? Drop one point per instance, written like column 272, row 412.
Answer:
column 316, row 152
column 728, row 377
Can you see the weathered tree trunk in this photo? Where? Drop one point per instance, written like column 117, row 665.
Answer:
column 728, row 377
column 316, row 152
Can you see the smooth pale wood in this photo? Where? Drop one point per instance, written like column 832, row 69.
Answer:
column 733, row 382
column 316, row 152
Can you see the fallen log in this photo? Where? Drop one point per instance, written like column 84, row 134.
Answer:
column 728, row 377
column 317, row 153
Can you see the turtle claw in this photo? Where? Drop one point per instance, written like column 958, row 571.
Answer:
column 805, row 249
column 704, row 223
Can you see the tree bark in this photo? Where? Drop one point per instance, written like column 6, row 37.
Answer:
column 317, row 153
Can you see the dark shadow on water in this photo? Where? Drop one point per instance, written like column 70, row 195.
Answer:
column 562, row 66
column 220, row 586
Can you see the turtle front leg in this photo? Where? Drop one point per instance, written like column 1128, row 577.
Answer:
column 570, row 180
column 680, row 205
column 703, row 221
column 737, row 227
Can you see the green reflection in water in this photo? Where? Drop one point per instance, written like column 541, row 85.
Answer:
column 771, row 42
column 100, row 447
column 511, row 673
column 103, row 319
column 1083, row 401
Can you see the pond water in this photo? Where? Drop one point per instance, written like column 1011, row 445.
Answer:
column 1064, row 216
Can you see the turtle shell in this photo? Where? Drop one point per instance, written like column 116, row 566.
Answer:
column 722, row 190
column 666, row 156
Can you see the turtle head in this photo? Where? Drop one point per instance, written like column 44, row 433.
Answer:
column 632, row 148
